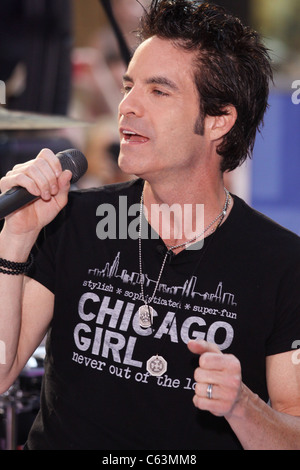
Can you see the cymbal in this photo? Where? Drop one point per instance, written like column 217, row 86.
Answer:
column 20, row 120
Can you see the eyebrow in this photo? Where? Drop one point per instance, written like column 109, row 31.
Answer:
column 157, row 80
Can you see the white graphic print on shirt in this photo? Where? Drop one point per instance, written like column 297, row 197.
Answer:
column 108, row 310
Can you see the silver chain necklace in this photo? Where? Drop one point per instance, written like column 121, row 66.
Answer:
column 157, row 365
column 222, row 214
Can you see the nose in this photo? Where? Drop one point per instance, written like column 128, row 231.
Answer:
column 131, row 104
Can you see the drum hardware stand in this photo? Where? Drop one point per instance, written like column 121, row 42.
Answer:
column 10, row 400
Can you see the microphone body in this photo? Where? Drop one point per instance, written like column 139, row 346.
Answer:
column 18, row 197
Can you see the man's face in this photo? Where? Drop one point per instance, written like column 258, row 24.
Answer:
column 159, row 113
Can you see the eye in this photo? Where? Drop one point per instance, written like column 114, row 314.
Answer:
column 160, row 93
column 126, row 89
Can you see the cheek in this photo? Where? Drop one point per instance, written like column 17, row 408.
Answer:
column 178, row 135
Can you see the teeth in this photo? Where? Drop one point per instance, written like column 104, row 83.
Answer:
column 129, row 133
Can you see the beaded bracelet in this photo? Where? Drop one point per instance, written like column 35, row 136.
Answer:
column 14, row 268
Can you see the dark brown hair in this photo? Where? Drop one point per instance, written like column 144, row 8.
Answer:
column 232, row 66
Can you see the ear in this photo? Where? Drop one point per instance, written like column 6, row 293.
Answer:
column 218, row 126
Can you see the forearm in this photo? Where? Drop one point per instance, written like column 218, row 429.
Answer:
column 259, row 427
column 15, row 249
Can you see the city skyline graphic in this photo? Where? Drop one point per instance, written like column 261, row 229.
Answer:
column 114, row 270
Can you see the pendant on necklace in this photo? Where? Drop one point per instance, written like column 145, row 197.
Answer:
column 157, row 366
column 145, row 316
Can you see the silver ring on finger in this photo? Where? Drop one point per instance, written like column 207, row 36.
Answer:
column 209, row 391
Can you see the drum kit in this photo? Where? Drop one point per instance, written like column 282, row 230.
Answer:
column 20, row 121
column 19, row 405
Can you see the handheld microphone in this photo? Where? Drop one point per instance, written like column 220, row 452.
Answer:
column 18, row 197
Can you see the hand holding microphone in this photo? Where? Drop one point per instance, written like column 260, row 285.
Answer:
column 44, row 180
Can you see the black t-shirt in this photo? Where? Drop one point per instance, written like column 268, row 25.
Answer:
column 240, row 291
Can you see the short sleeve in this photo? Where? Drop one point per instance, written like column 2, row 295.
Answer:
column 286, row 327
column 43, row 268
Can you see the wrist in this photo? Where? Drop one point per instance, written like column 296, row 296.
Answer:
column 15, row 268
column 16, row 248
column 247, row 403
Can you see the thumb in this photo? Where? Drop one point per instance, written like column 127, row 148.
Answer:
column 201, row 347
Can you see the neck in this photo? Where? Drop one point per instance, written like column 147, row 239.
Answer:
column 187, row 192
column 179, row 214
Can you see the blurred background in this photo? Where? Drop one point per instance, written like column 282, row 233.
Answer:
column 61, row 64
column 62, row 57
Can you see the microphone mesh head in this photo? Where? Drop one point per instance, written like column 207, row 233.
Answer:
column 75, row 161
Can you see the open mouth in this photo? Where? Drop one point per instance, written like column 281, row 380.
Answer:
column 133, row 137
